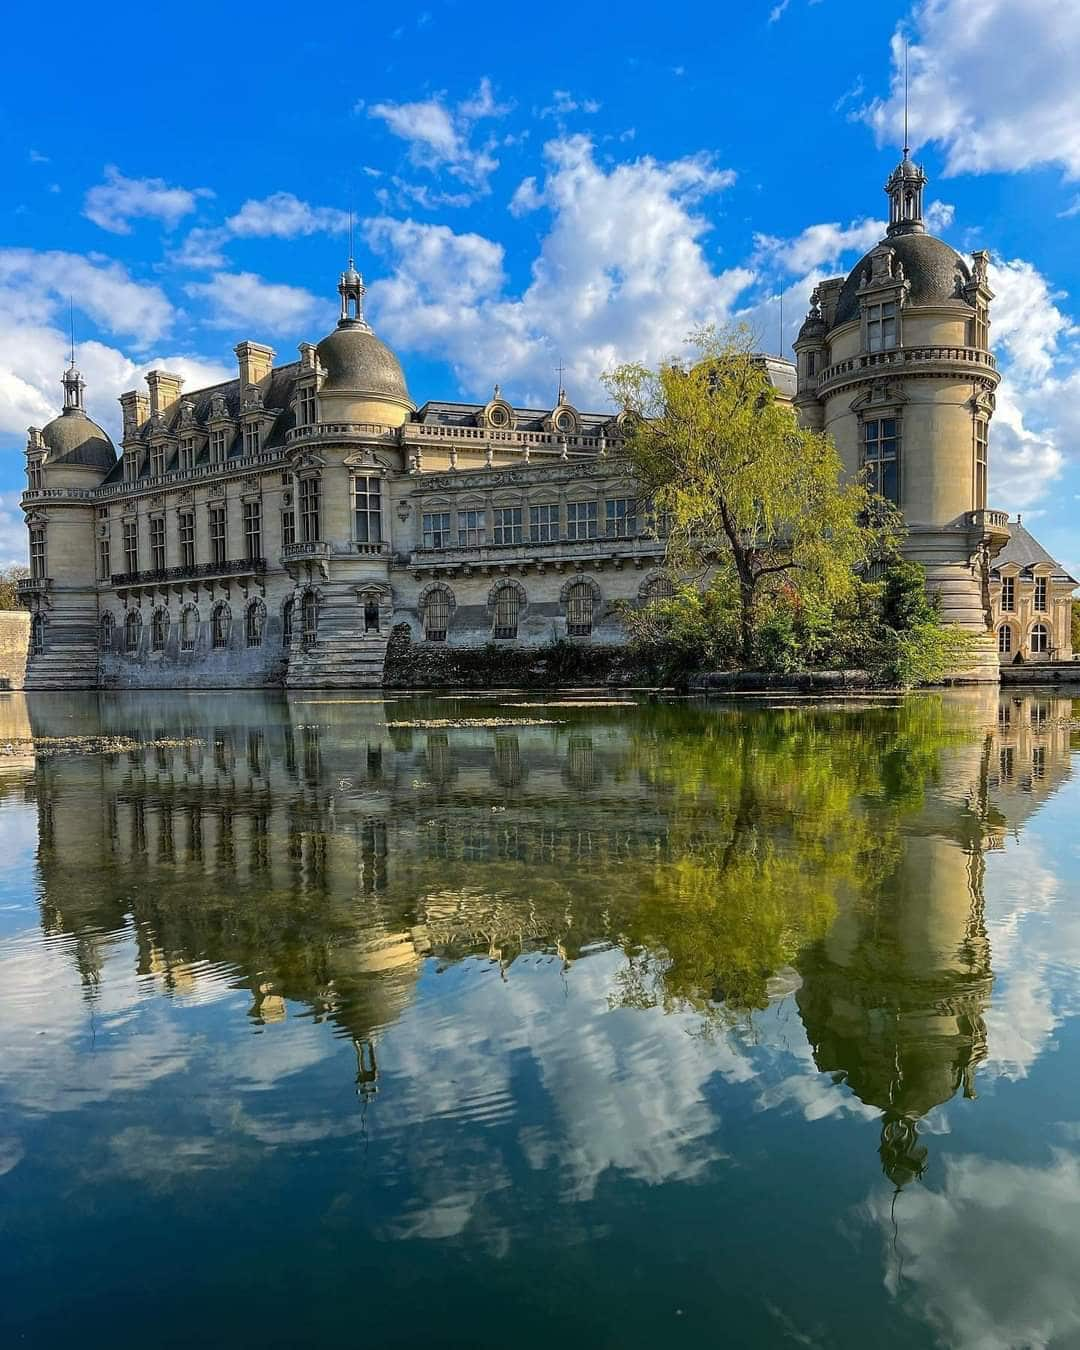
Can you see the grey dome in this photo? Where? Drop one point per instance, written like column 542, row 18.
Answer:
column 356, row 361
column 929, row 264
column 73, row 438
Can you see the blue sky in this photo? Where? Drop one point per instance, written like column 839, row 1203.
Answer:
column 579, row 186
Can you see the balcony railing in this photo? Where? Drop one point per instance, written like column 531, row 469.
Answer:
column 341, row 431
column 986, row 519
column 906, row 357
column 530, row 551
column 155, row 576
column 312, row 548
column 32, row 586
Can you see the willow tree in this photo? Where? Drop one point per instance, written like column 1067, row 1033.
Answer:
column 746, row 494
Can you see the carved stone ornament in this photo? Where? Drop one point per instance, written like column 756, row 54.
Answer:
column 217, row 490
column 404, row 510
column 186, row 495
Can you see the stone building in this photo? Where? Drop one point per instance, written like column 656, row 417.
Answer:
column 276, row 528
column 1031, row 595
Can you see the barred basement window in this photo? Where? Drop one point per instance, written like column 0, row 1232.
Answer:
column 157, row 542
column 436, row 529
column 367, row 504
column 309, row 619
column 218, row 528
column 108, row 628
column 1040, row 594
column 186, row 521
column 544, row 523
column 159, row 629
column 310, row 525
column 254, row 618
column 436, row 615
column 507, row 525
column 881, row 457
column 37, row 634
column 189, row 628
column 507, row 611
column 579, row 609
column 253, row 529
column 220, row 626
column 472, row 527
column 660, row 588
column 1008, row 594
column 132, row 631
column 621, row 513
column 287, row 624
column 581, row 520
column 218, row 445
column 38, row 568
column 131, row 545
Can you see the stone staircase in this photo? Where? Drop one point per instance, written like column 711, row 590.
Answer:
column 343, row 656
column 71, row 664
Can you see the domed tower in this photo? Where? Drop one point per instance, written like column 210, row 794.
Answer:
column 64, row 460
column 894, row 363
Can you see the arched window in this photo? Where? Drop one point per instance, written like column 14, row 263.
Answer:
column 1040, row 638
column 132, row 631
column 309, row 619
column 507, row 611
column 436, row 614
column 657, row 588
column 579, row 609
column 189, row 628
column 1005, row 639
column 159, row 629
column 287, row 624
column 220, row 625
column 108, row 630
column 37, row 634
column 254, row 619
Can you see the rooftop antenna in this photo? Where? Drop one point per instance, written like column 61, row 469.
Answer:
column 780, row 349
column 560, row 370
column 907, row 148
column 71, row 322
column 351, row 254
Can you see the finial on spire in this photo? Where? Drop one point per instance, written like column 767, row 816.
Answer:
column 71, row 322
column 907, row 147
column 560, row 370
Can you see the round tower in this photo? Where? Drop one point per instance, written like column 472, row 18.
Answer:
column 894, row 363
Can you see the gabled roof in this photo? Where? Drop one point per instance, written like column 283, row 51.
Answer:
column 1025, row 552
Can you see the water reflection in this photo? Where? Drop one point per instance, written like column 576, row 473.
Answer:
column 785, row 901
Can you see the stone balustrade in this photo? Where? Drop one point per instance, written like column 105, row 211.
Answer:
column 904, row 358
column 156, row 576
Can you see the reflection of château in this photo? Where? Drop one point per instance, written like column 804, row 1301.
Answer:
column 319, row 856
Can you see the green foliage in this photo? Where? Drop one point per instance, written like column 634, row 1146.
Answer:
column 9, row 578
column 1076, row 625
column 915, row 646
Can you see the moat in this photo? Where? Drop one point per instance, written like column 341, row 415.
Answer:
column 516, row 1019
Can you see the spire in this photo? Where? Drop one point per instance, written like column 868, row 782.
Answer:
column 906, row 182
column 72, row 380
column 351, row 288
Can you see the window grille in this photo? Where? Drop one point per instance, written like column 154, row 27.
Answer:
column 131, row 545
column 253, row 624
column 621, row 516
column 220, row 625
column 507, row 612
column 1040, row 638
column 1008, row 594
column 157, row 542
column 436, row 615
column 579, row 609
column 1040, row 594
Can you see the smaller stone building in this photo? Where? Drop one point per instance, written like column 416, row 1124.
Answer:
column 1031, row 598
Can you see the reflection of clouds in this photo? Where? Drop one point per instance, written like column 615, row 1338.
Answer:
column 257, row 1063
column 816, row 1095
column 994, row 1256
column 12, row 1153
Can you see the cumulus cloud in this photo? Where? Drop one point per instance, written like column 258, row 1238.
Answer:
column 598, row 294
column 284, row 216
column 820, row 245
column 118, row 201
column 238, row 300
column 33, row 286
column 440, row 135
column 563, row 103
column 1022, row 110
column 12, row 530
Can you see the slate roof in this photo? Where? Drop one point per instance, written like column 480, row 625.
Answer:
column 73, row 438
column 930, row 265
column 1025, row 552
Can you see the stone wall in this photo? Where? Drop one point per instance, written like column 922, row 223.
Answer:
column 14, row 638
column 492, row 665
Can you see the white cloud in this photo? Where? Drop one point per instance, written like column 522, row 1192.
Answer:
column 439, row 135
column 563, row 103
column 994, row 84
column 777, row 11
column 202, row 249
column 1028, row 325
column 599, row 293
column 119, row 200
column 34, row 286
column 243, row 300
column 284, row 216
column 820, row 245
column 939, row 216
column 12, row 534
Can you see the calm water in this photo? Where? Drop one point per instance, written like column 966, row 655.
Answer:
column 660, row 1025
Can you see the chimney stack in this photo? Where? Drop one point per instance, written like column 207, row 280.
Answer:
column 256, row 361
column 135, row 406
column 164, row 390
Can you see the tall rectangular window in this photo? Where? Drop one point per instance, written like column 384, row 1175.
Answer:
column 131, row 465
column 621, row 517
column 581, row 520
column 35, row 475
column 811, row 365
column 507, row 525
column 881, row 457
column 472, row 528
column 37, row 554
column 305, row 407
column 880, row 327
column 217, row 446
column 218, row 529
column 367, row 502
column 1008, row 595
column 157, row 461
column 288, row 528
column 1040, row 594
column 186, row 522
column 252, row 438
column 131, row 545
column 157, row 543
column 187, row 453
column 309, row 510
column 436, row 529
column 253, row 529
column 981, row 427
column 544, row 523
column 104, row 559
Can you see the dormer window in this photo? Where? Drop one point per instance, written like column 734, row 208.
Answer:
column 564, row 422
column 157, row 461
column 35, row 475
column 881, row 327
column 187, row 453
column 1008, row 595
column 251, row 438
column 217, row 446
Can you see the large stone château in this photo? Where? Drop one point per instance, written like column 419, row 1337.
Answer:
column 277, row 528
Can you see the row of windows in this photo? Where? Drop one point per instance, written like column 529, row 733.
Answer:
column 217, row 534
column 509, row 524
column 1038, row 638
column 218, row 443
column 220, row 626
column 438, row 603
column 1008, row 595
